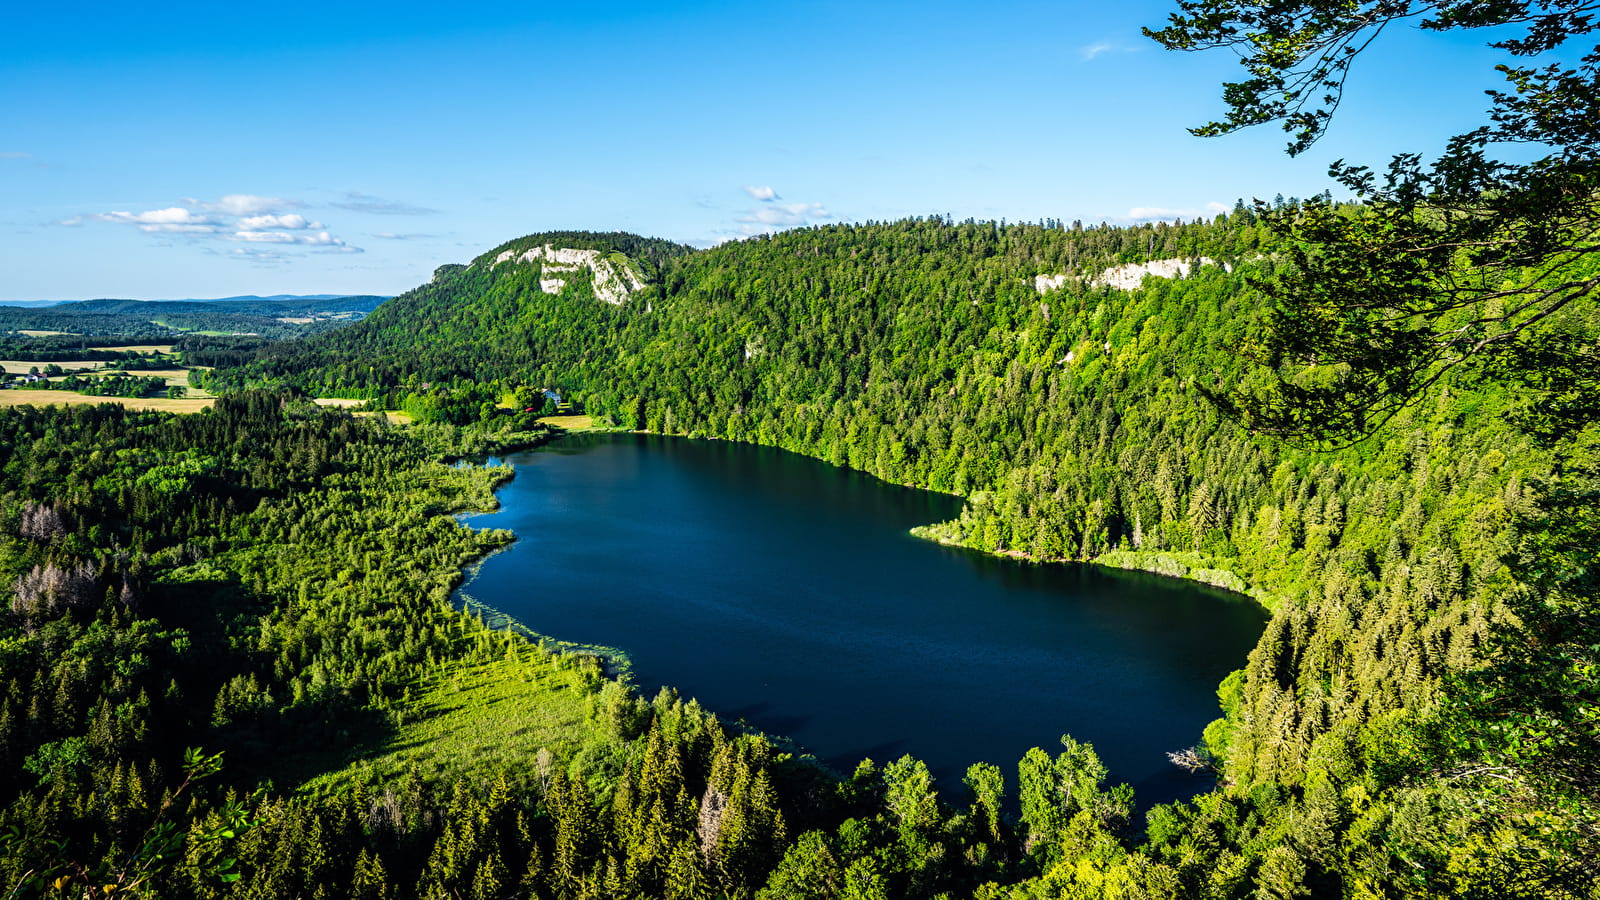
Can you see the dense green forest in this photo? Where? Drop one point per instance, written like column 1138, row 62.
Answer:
column 291, row 615
column 230, row 666
column 1074, row 420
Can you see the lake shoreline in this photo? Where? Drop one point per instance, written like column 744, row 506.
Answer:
column 572, row 572
column 1162, row 563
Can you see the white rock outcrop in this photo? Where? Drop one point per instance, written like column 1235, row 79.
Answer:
column 613, row 282
column 1045, row 283
column 1128, row 277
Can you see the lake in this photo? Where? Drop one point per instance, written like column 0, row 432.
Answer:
column 787, row 592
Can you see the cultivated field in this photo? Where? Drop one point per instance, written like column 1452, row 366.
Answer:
column 21, row 366
column 68, row 398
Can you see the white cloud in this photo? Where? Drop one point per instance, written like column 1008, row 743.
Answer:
column 181, row 228
column 260, row 257
column 784, row 215
column 319, row 239
column 1164, row 214
column 172, row 220
column 14, row 155
column 264, row 237
column 172, row 215
column 244, row 218
column 772, row 216
column 244, row 204
column 292, row 221
column 412, row 236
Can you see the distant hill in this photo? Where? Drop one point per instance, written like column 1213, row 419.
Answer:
column 284, row 316
column 270, row 298
column 37, row 304
column 538, row 297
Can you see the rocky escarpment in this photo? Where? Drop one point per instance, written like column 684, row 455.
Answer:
column 615, row 277
column 1129, row 276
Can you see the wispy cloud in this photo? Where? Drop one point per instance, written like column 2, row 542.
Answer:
column 238, row 218
column 15, row 155
column 769, row 215
column 259, row 257
column 172, row 220
column 243, row 204
column 292, row 221
column 355, row 201
column 412, row 236
column 319, row 239
column 1140, row 214
column 1100, row 48
column 784, row 215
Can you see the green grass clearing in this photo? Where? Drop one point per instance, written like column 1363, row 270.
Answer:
column 478, row 717
column 569, row 423
column 394, row 415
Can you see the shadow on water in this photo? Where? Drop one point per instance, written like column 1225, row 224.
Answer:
column 787, row 592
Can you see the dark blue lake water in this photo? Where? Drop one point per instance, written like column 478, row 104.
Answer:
column 787, row 592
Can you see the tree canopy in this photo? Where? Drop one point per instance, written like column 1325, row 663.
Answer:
column 1469, row 258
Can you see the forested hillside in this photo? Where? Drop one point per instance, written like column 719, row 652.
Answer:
column 166, row 319
column 1074, row 422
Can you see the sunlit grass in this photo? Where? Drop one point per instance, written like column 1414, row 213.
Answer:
column 478, row 716
column 570, row 423
column 71, row 398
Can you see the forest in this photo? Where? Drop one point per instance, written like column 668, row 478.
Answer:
column 1363, row 748
column 1375, row 416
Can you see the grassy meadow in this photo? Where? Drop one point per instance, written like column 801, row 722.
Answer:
column 496, row 712
column 569, row 423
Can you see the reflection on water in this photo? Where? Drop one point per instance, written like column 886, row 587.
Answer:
column 788, row 592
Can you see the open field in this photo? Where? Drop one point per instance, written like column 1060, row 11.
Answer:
column 18, row 366
column 395, row 416
column 68, row 398
column 175, row 377
column 21, row 366
column 570, row 423
column 36, row 332
column 141, row 348
column 343, row 402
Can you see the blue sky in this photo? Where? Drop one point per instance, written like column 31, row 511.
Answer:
column 198, row 150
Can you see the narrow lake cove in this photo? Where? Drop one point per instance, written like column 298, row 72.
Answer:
column 787, row 592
